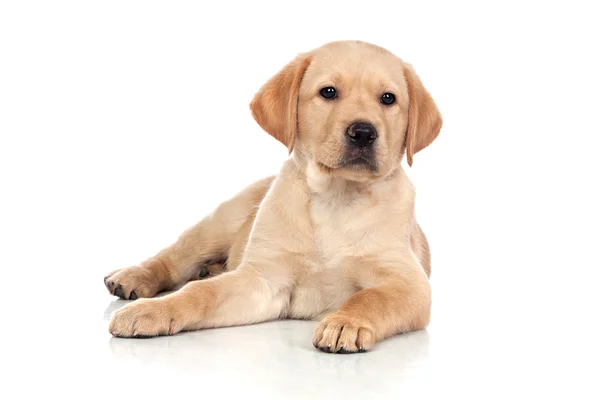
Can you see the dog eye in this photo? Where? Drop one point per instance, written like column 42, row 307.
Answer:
column 388, row 99
column 328, row 93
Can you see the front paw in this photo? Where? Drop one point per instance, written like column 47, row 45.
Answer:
column 341, row 333
column 132, row 283
column 145, row 318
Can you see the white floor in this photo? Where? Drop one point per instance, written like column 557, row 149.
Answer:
column 276, row 360
column 72, row 355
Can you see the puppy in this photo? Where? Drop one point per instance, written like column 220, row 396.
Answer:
column 332, row 237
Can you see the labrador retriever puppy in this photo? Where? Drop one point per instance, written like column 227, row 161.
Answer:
column 332, row 237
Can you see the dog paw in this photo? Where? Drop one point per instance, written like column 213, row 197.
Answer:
column 339, row 333
column 132, row 283
column 145, row 318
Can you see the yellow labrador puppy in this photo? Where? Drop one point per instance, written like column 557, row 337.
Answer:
column 333, row 236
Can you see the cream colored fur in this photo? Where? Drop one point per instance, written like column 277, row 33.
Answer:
column 321, row 240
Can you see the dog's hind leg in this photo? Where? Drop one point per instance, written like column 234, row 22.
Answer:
column 206, row 244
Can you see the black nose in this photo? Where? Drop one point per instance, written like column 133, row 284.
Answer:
column 361, row 134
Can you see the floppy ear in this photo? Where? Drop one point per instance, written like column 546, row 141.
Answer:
column 275, row 106
column 424, row 118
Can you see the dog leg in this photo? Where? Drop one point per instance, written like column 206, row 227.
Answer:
column 240, row 297
column 400, row 303
column 209, row 240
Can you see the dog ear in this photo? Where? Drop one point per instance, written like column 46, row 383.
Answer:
column 424, row 118
column 275, row 106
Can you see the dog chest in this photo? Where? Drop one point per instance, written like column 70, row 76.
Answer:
column 344, row 228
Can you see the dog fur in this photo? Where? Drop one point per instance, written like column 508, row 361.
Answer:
column 324, row 239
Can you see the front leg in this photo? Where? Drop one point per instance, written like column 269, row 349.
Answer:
column 399, row 301
column 240, row 297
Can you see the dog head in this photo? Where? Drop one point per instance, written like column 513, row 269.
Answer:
column 350, row 108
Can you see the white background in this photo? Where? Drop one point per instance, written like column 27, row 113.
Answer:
column 124, row 122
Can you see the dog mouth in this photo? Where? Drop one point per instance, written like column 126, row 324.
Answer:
column 354, row 162
column 358, row 159
column 358, row 163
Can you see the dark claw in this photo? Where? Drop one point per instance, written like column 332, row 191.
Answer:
column 326, row 349
column 362, row 350
column 142, row 336
column 119, row 292
column 344, row 351
column 133, row 295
